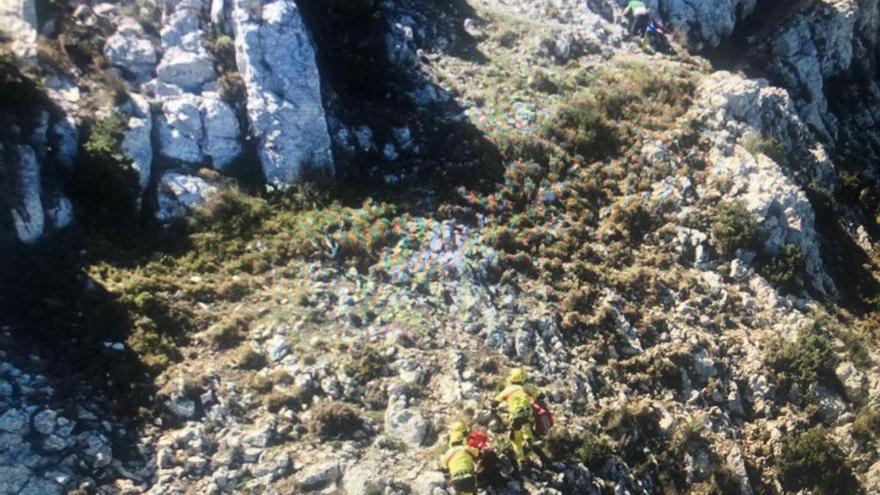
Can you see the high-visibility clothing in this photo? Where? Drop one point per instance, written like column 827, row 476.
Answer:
column 460, row 461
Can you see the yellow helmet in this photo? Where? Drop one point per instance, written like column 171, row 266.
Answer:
column 516, row 376
column 456, row 437
column 457, row 427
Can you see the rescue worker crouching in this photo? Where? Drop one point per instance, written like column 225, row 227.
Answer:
column 460, row 461
column 518, row 395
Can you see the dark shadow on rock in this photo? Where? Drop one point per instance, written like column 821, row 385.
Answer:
column 844, row 260
column 63, row 325
column 54, row 320
column 394, row 128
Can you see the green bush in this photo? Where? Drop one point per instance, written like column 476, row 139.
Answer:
column 366, row 364
column 811, row 461
column 866, row 426
column 333, row 420
column 807, row 360
column 786, row 269
column 593, row 451
column 291, row 399
column 735, row 228
column 228, row 332
column 105, row 184
column 249, row 359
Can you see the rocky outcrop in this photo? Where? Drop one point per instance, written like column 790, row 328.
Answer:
column 276, row 58
column 736, row 109
column 18, row 20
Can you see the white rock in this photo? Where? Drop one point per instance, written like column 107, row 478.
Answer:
column 177, row 193
column 44, row 421
column 19, row 21
column 404, row 423
column 181, row 130
column 186, row 69
column 15, row 422
column 853, row 380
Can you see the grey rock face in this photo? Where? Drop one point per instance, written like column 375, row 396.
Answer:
column 276, row 57
column 735, row 106
column 404, row 423
column 186, row 69
column 137, row 144
column 181, row 129
column 28, row 217
column 706, row 22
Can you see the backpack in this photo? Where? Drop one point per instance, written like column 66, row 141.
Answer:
column 543, row 418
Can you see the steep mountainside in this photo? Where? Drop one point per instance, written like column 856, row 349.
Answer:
column 278, row 246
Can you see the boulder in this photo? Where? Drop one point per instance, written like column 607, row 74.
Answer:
column 195, row 128
column 181, row 130
column 854, row 381
column 318, row 476
column 276, row 57
column 44, row 421
column 15, row 422
column 129, row 48
column 19, row 21
column 222, row 142
column 405, row 423
column 178, row 193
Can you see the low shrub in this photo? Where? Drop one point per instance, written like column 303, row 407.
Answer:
column 291, row 399
column 734, row 227
column 812, row 461
column 366, row 364
column 755, row 144
column 593, row 451
column 332, row 420
column 866, row 426
column 247, row 358
column 228, row 332
column 582, row 128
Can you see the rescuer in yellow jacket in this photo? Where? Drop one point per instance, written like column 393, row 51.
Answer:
column 519, row 397
column 460, row 461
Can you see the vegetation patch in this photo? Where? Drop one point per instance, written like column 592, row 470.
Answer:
column 808, row 360
column 105, row 184
column 735, row 227
column 786, row 269
column 769, row 147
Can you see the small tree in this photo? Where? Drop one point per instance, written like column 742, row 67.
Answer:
column 811, row 461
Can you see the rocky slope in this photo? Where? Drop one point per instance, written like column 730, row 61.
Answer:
column 681, row 257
